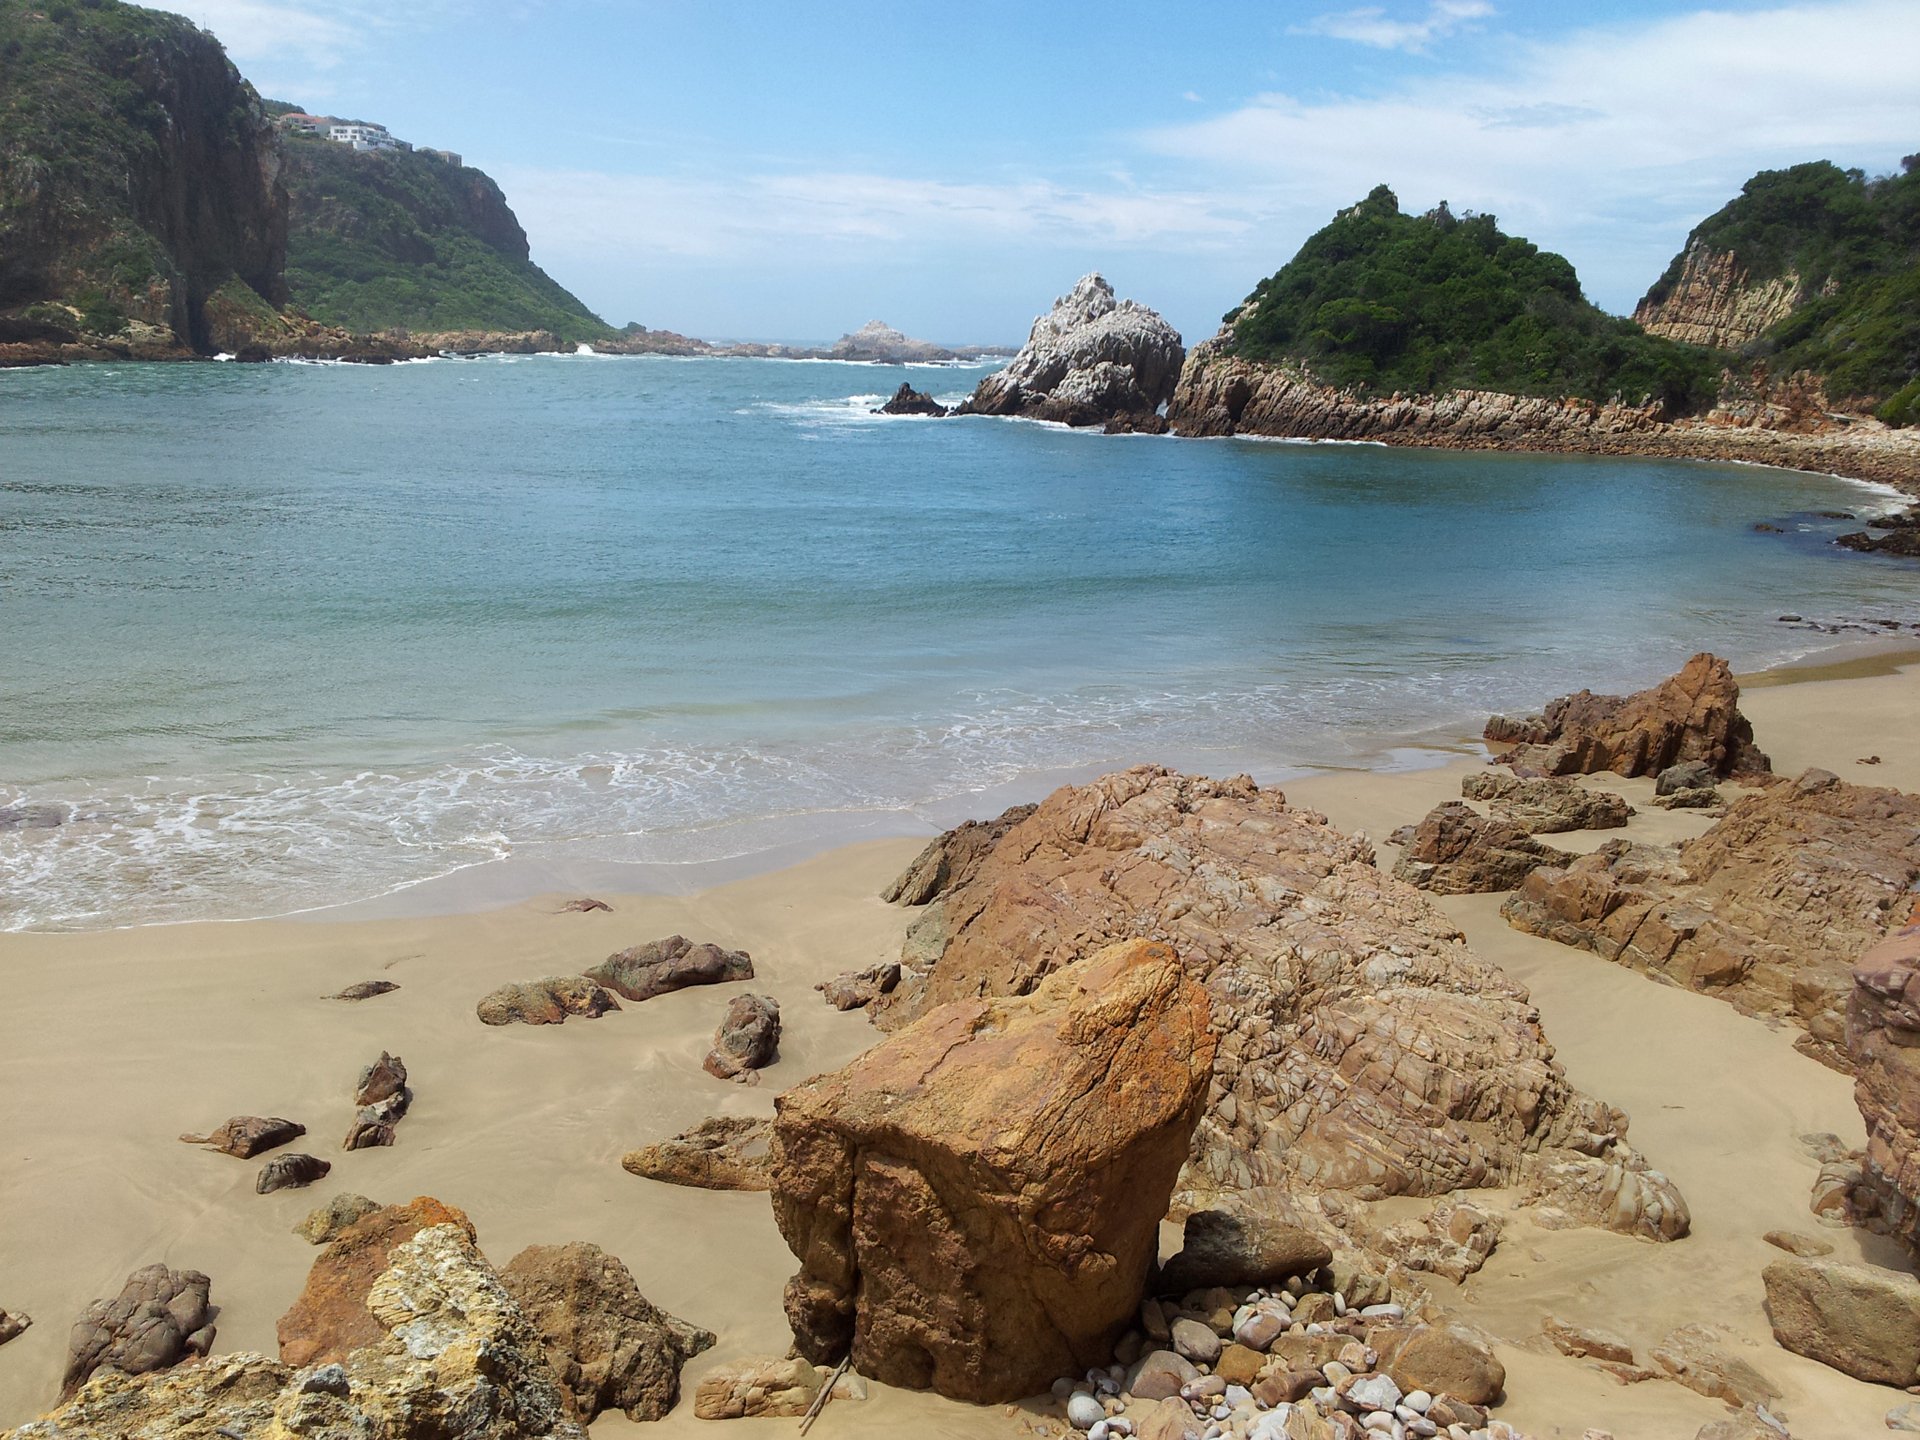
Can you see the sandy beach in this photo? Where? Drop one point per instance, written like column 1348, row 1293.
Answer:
column 113, row 1043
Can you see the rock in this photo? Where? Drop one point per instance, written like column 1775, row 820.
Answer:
column 1458, row 851
column 586, row 905
column 757, row 1388
column 1754, row 1422
column 373, row 1127
column 330, row 1318
column 1084, row 1412
column 1704, row 799
column 1327, row 978
column 1547, row 805
column 1768, row 909
column 1618, row 1191
column 1688, row 775
column 1445, row 1359
column 1087, row 360
column 1453, row 1239
column 951, row 859
column 546, row 1002
column 1899, row 542
column 720, row 1153
column 1160, row 1375
column 328, row 1220
column 365, row 990
column 1695, row 715
column 12, row 1323
column 609, row 1348
column 1239, row 1364
column 1904, row 1417
column 857, row 989
column 936, row 1188
column 877, row 342
column 670, row 964
column 1196, row 1342
column 909, row 401
column 1714, row 301
column 246, row 1136
column 1857, row 1318
column 1794, row 1243
column 290, row 1172
column 748, row 1038
column 385, row 1079
column 1219, row 1247
column 159, row 1318
column 1585, row 1343
column 1694, row 1355
column 1883, row 1044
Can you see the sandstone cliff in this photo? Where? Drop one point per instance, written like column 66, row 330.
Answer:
column 1715, row 302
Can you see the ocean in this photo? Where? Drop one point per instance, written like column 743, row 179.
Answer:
column 279, row 637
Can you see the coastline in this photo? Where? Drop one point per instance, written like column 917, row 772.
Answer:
column 524, row 1127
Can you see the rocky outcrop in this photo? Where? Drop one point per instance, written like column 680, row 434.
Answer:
column 1883, row 1044
column 330, row 1318
column 878, row 343
column 950, row 859
column 909, row 401
column 546, row 1002
column 246, row 1136
column 660, row 966
column 609, row 1347
column 324, row 1222
column 1859, row 1319
column 1362, row 1047
column 976, row 1201
column 1713, row 302
column 748, row 1039
column 1694, row 715
column 1547, row 805
column 1456, row 850
column 1088, row 359
column 159, row 1318
column 1768, row 909
column 857, row 989
column 1905, row 543
column 720, row 1153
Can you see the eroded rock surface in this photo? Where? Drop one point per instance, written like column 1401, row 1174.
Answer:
column 976, row 1201
column 1768, row 909
column 1859, row 1319
column 660, row 966
column 1883, row 1044
column 1694, row 715
column 290, row 1172
column 1546, row 805
column 546, row 1002
column 720, row 1153
column 950, row 859
column 1456, row 850
column 324, row 1222
column 748, row 1039
column 330, row 1317
column 159, row 1318
column 857, row 989
column 769, row 1387
column 246, row 1136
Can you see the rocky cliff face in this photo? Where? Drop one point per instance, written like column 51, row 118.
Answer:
column 1088, row 360
column 1883, row 1044
column 1715, row 303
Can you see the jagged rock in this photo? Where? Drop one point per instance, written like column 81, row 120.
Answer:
column 1222, row 1248
column 330, row 1319
column 546, row 1002
column 952, row 858
column 1584, row 1343
column 246, row 1136
column 774, row 1388
column 1547, row 805
column 383, row 1080
column 1898, row 542
column 1768, row 909
column 327, row 1221
column 1694, row 715
column 1688, row 775
column 720, row 1153
column 1427, row 1070
column 1087, row 360
column 1695, row 1356
column 1441, row 1359
column 1453, row 1239
column 909, row 401
column 12, row 1323
column 857, row 989
column 1883, row 1042
column 365, row 990
column 159, row 1318
column 936, row 1189
column 674, row 963
column 1714, row 302
column 373, row 1127
column 1857, row 1318
column 290, row 1172
column 748, row 1039
column 609, row 1347
column 1456, row 850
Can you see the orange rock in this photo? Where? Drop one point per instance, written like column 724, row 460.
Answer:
column 330, row 1318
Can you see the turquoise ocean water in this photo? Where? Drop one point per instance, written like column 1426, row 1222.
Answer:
column 275, row 637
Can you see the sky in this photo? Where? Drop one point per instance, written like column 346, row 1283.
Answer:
column 787, row 171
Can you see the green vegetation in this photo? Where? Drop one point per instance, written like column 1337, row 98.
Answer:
column 1383, row 301
column 392, row 240
column 1854, row 243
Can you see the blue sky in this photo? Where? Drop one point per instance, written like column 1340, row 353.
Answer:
column 790, row 170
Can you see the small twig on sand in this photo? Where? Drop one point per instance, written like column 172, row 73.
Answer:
column 826, row 1393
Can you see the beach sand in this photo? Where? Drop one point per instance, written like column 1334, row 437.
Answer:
column 113, row 1043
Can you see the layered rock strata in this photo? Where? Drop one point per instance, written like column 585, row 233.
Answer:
column 1883, row 1044
column 1715, row 303
column 976, row 1201
column 1548, row 805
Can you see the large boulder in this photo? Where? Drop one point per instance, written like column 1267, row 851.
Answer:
column 722, row 1152
column 609, row 1347
column 976, row 1201
column 159, row 1318
column 1883, row 1043
column 1768, row 909
column 546, row 1002
column 1456, row 850
column 1548, row 804
column 1362, row 1046
column 1220, row 1247
column 1857, row 1318
column 659, row 966
column 747, row 1040
column 1694, row 715
column 329, row 1318
column 1089, row 359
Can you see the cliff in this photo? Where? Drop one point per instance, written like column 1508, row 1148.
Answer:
column 1714, row 301
column 139, row 176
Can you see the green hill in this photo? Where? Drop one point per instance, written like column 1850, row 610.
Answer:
column 1384, row 301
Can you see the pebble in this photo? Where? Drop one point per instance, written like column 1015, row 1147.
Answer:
column 1099, row 1431
column 1385, row 1312
column 1372, row 1392
column 1237, row 1395
column 1904, row 1417
column 1335, row 1372
column 1084, row 1412
column 1417, row 1400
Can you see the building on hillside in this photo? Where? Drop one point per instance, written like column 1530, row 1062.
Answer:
column 365, row 137
column 301, row 123
column 449, row 157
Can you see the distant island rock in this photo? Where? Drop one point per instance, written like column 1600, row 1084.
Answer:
column 878, row 342
column 1090, row 360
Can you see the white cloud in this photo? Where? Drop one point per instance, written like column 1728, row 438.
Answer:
column 319, row 35
column 1370, row 25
